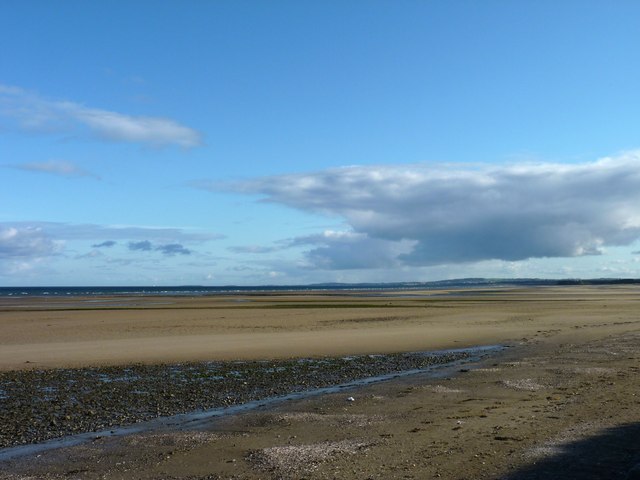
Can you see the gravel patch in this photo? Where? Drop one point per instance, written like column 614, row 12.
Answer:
column 296, row 459
column 526, row 384
column 37, row 405
column 443, row 389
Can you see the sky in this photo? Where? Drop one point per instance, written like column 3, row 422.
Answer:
column 294, row 142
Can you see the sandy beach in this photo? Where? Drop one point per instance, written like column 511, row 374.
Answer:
column 63, row 332
column 560, row 402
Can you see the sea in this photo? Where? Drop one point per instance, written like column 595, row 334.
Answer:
column 179, row 290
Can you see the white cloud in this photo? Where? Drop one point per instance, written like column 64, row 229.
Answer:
column 25, row 249
column 56, row 167
column 447, row 215
column 26, row 242
column 93, row 254
column 32, row 112
column 149, row 130
column 67, row 231
column 254, row 249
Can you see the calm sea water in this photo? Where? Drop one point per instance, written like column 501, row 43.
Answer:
column 181, row 290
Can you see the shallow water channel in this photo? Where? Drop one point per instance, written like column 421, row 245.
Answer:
column 46, row 409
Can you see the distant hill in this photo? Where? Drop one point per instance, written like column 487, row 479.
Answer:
column 481, row 282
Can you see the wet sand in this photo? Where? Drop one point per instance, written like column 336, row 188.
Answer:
column 63, row 332
column 563, row 402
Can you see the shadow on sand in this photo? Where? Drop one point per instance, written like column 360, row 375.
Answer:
column 612, row 454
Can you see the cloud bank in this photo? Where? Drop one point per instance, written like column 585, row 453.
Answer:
column 348, row 250
column 33, row 240
column 31, row 112
column 419, row 215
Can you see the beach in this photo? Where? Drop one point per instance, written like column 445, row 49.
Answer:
column 565, row 386
column 62, row 332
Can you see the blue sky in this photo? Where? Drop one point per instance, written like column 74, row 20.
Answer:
column 241, row 142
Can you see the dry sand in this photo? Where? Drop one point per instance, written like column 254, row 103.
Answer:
column 563, row 402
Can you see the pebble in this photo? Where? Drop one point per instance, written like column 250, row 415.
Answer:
column 38, row 405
